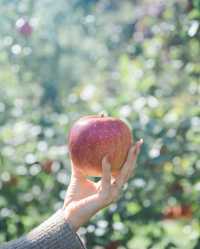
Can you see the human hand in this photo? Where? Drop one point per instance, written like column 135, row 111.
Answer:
column 84, row 197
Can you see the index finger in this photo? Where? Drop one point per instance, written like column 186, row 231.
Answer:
column 106, row 174
column 129, row 164
column 133, row 153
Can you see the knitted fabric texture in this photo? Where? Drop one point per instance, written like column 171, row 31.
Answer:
column 54, row 233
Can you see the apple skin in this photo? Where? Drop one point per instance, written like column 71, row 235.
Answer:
column 93, row 137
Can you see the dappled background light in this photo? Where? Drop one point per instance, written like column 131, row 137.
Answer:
column 137, row 60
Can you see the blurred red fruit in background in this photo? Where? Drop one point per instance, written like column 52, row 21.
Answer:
column 47, row 166
column 178, row 212
column 112, row 245
column 24, row 27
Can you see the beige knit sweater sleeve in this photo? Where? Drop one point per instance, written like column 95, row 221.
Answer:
column 54, row 233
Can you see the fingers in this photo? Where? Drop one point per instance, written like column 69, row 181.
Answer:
column 106, row 174
column 132, row 156
column 129, row 164
column 138, row 145
column 112, row 186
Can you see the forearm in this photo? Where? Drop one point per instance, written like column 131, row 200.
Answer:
column 56, row 232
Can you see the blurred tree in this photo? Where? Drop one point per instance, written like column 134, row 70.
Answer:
column 138, row 60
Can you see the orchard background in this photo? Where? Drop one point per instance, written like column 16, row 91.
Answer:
column 137, row 60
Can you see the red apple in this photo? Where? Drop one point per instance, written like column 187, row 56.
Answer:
column 93, row 137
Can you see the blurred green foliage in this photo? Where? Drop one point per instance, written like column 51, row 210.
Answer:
column 138, row 60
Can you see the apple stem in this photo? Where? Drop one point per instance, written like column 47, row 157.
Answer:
column 103, row 114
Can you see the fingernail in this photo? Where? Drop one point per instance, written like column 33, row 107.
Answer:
column 105, row 160
column 107, row 166
column 141, row 141
column 139, row 145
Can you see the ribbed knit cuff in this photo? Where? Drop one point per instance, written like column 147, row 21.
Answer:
column 54, row 233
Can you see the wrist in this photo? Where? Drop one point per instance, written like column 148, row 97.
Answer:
column 70, row 217
column 77, row 213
